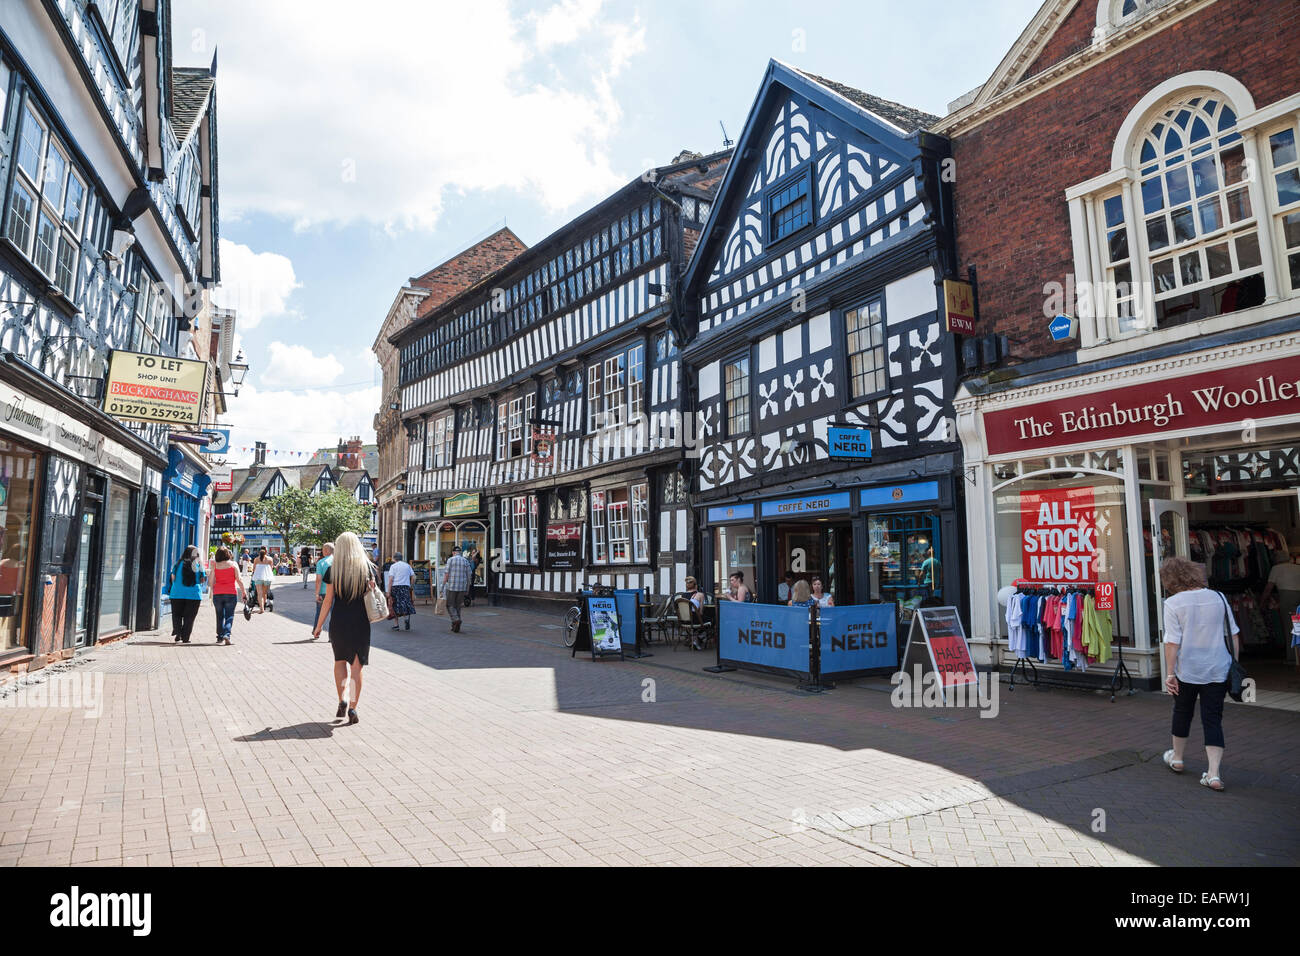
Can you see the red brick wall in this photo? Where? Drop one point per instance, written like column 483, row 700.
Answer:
column 1012, row 171
column 1071, row 36
column 461, row 272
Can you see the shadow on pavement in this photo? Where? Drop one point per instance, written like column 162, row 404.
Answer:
column 313, row 730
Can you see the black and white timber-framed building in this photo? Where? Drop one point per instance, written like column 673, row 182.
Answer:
column 543, row 405
column 816, row 303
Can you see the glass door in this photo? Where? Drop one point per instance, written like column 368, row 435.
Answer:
column 1168, row 537
column 86, row 595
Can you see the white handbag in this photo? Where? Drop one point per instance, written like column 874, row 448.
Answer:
column 376, row 603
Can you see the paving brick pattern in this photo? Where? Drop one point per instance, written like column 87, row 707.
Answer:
column 494, row 746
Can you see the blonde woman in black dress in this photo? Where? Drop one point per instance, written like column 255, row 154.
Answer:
column 346, row 582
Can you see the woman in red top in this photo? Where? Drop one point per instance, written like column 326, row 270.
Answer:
column 227, row 587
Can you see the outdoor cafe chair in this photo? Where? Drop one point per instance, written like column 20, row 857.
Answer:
column 687, row 626
column 661, row 621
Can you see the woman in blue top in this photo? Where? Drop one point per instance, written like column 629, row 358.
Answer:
column 801, row 595
column 185, row 588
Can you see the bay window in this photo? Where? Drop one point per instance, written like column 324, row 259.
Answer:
column 620, row 524
column 46, row 202
column 442, row 437
column 616, row 388
column 599, row 549
column 641, row 523
column 1285, row 185
column 519, row 529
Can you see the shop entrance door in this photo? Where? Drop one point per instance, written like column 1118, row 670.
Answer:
column 810, row 551
column 1168, row 537
column 87, row 579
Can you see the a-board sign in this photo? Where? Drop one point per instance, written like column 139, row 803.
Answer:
column 937, row 641
column 1105, row 595
column 601, row 628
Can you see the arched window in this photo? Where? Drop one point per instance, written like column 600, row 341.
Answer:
column 1198, row 223
column 1198, row 216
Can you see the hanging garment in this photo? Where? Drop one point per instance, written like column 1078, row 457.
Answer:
column 1015, row 632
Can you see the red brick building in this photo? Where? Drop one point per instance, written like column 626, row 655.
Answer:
column 417, row 298
column 1129, row 175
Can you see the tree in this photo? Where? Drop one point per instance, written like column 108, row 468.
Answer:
column 289, row 513
column 338, row 511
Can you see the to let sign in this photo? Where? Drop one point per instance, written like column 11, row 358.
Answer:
column 959, row 307
column 155, row 388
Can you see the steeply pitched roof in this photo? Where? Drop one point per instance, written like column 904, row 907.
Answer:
column 350, row 478
column 304, row 476
column 906, row 118
column 246, row 489
column 190, row 89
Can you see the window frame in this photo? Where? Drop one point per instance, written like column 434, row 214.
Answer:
column 802, row 175
column 728, row 431
column 886, row 387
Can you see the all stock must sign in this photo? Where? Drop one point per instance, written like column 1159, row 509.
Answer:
column 1059, row 535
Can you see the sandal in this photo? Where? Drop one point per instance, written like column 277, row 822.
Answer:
column 1175, row 765
column 1209, row 782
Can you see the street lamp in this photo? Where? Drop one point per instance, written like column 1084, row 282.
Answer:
column 238, row 369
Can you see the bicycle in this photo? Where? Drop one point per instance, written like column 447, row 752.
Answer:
column 573, row 616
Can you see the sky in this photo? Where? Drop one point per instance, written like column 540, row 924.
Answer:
column 360, row 145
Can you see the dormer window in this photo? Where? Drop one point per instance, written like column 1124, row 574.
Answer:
column 789, row 206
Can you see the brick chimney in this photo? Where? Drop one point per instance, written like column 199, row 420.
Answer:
column 350, row 452
column 259, row 458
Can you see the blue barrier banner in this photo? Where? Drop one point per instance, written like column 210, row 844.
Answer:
column 858, row 637
column 603, row 614
column 770, row 635
column 626, row 600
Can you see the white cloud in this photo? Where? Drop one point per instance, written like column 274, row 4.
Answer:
column 299, row 421
column 294, row 366
column 256, row 285
column 328, row 116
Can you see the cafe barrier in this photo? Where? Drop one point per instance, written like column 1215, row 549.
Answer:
column 857, row 639
column 628, row 603
column 766, row 637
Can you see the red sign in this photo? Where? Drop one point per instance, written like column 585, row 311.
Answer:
column 947, row 639
column 1059, row 535
column 959, row 306
column 1217, row 396
column 1106, row 596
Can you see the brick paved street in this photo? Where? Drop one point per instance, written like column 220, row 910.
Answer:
column 495, row 747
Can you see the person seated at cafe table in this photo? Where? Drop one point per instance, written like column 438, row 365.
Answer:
column 736, row 590
column 801, row 595
column 696, row 597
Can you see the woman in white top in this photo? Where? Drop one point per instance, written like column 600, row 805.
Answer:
column 263, row 568
column 1197, row 660
column 820, row 596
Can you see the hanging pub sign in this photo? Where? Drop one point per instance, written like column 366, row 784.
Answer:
column 1058, row 528
column 564, row 546
column 464, row 503
column 848, row 441
column 937, row 643
column 543, row 446
column 958, row 307
column 155, row 388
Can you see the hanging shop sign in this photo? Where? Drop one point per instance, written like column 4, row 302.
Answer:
column 543, row 446
column 218, row 441
column 223, row 478
column 858, row 637
column 1063, row 327
column 1059, row 535
column 847, row 442
column 155, row 388
column 937, row 643
column 564, row 546
column 959, row 307
column 1215, row 396
column 809, row 505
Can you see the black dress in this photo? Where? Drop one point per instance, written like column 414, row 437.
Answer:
column 349, row 625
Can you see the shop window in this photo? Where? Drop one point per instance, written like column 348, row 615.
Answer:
column 116, row 577
column 1063, row 529
column 864, row 329
column 18, row 468
column 1285, row 163
column 1275, row 468
column 735, row 548
column 906, row 560
column 736, row 395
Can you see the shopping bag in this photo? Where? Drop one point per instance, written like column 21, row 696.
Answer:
column 441, row 607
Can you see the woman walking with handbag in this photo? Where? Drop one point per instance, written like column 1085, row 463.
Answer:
column 349, row 609
column 1198, row 661
column 227, row 589
column 185, row 589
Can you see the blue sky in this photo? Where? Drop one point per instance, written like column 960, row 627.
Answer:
column 360, row 145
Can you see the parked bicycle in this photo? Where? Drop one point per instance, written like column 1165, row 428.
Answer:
column 573, row 616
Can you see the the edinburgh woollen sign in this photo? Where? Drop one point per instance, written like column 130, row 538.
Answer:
column 155, row 388
column 1216, row 396
column 1059, row 535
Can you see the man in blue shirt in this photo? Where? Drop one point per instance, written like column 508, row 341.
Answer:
column 322, row 565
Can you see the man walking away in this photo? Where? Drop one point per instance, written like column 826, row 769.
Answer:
column 322, row 565
column 455, row 582
column 304, row 558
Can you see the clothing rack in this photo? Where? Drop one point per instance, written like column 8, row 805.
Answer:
column 1119, row 675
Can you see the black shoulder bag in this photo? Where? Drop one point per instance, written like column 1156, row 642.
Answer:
column 1236, row 673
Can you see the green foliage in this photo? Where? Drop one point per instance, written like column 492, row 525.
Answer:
column 289, row 513
column 335, row 512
